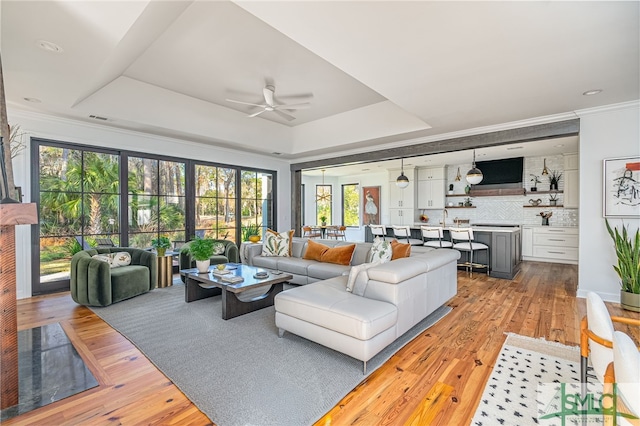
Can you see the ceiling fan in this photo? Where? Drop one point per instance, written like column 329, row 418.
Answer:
column 270, row 104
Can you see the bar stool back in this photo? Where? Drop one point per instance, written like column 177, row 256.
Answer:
column 403, row 233
column 433, row 237
column 465, row 243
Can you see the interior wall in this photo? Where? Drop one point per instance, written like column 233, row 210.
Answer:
column 42, row 126
column 603, row 134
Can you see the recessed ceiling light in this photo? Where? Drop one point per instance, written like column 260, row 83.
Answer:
column 49, row 46
column 592, row 92
column 34, row 100
column 560, row 145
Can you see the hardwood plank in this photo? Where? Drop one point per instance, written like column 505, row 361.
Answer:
column 435, row 379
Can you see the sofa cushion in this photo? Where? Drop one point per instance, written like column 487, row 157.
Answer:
column 314, row 251
column 380, row 250
column 324, row 271
column 277, row 244
column 400, row 250
column 269, row 262
column 361, row 253
column 294, row 265
column 327, row 304
column 129, row 281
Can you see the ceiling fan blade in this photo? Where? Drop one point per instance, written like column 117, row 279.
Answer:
column 244, row 103
column 256, row 114
column 284, row 115
column 303, row 105
column 268, row 95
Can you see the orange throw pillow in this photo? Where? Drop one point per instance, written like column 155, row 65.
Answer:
column 399, row 250
column 339, row 255
column 314, row 251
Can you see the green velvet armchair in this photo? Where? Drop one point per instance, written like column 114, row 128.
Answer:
column 231, row 254
column 95, row 283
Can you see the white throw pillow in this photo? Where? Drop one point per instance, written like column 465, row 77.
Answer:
column 277, row 244
column 121, row 258
column 354, row 282
column 362, row 280
column 218, row 248
column 353, row 274
column 103, row 258
column 380, row 251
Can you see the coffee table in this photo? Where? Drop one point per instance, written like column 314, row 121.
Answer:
column 202, row 285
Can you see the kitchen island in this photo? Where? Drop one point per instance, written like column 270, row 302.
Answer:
column 504, row 246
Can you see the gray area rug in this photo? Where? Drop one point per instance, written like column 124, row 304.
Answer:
column 239, row 372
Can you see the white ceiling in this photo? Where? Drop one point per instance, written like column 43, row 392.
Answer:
column 375, row 73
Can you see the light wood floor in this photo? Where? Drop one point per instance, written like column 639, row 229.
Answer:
column 436, row 379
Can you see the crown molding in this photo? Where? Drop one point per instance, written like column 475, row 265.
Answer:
column 608, row 108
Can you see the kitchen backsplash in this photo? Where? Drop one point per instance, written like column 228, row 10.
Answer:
column 509, row 209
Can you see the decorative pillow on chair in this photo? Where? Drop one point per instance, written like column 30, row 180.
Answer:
column 277, row 244
column 121, row 258
column 108, row 258
column 400, row 250
column 218, row 248
column 380, row 250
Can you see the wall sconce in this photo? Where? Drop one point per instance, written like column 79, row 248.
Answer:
column 545, row 171
column 458, row 176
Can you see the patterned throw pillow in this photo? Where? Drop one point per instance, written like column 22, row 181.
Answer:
column 103, row 258
column 380, row 250
column 218, row 248
column 121, row 258
column 277, row 244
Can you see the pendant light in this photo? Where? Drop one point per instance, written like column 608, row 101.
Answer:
column 474, row 176
column 545, row 171
column 402, row 181
column 324, row 196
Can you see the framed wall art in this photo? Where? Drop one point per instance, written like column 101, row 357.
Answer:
column 621, row 187
column 371, row 205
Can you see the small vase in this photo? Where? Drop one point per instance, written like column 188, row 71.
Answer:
column 534, row 189
column 203, row 266
column 553, row 186
column 553, row 202
column 161, row 251
column 545, row 221
column 467, row 189
column 254, row 238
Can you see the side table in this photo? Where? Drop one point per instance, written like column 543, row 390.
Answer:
column 165, row 271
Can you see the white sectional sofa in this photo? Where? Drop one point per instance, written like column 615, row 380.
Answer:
column 386, row 300
column 395, row 296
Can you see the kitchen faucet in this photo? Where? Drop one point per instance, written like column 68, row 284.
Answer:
column 445, row 213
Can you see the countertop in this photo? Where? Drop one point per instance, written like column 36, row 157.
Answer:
column 507, row 229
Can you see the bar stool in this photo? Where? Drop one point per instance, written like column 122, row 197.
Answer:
column 378, row 231
column 465, row 236
column 404, row 233
column 433, row 235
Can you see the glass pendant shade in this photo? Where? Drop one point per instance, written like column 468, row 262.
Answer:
column 474, row 176
column 402, row 181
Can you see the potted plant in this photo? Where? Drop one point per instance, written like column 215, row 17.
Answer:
column 200, row 250
column 536, row 180
column 553, row 199
column 628, row 267
column 554, row 178
column 323, row 220
column 161, row 244
column 251, row 233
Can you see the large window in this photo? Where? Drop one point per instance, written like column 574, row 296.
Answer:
column 156, row 199
column 90, row 196
column 351, row 204
column 78, row 195
column 216, row 202
column 323, row 203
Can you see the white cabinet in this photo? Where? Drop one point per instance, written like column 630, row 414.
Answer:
column 551, row 244
column 571, row 181
column 402, row 198
column 402, row 216
column 527, row 241
column 431, row 192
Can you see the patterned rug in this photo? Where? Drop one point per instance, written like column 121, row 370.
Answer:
column 525, row 382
